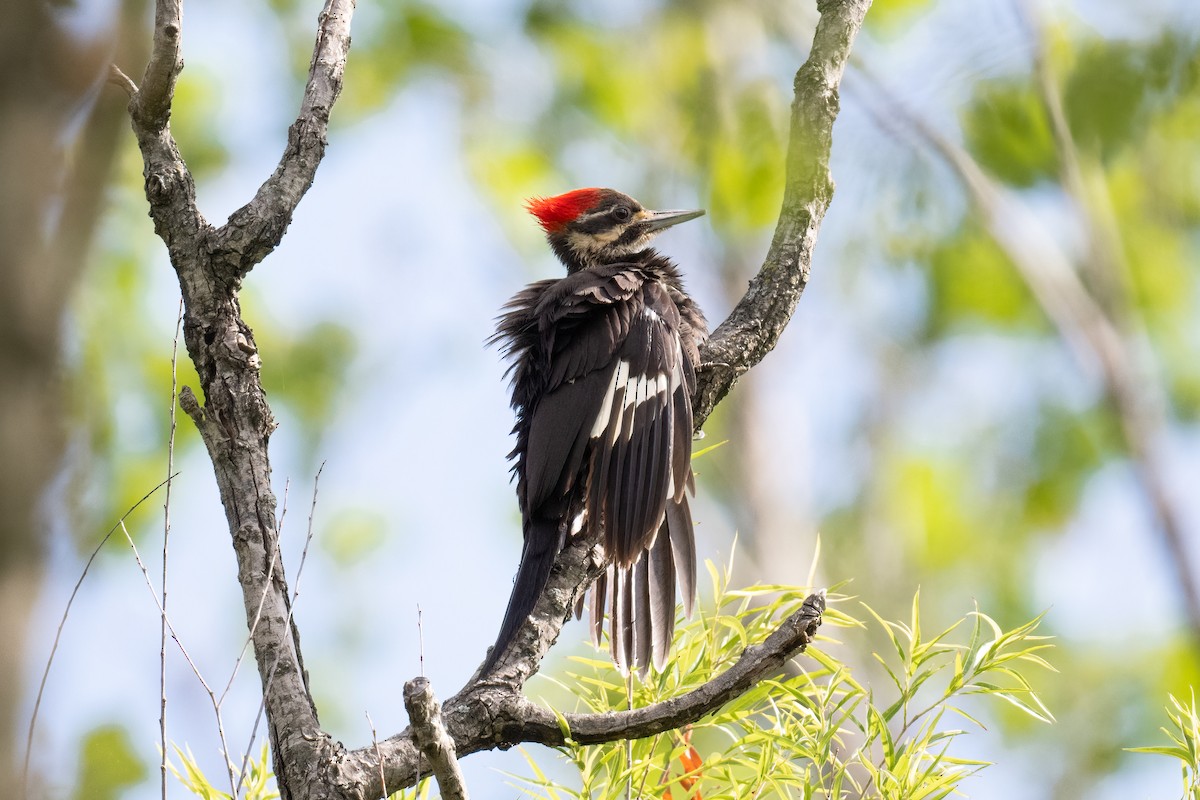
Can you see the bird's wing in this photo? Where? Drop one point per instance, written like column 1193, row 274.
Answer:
column 561, row 336
column 584, row 322
column 603, row 393
column 641, row 431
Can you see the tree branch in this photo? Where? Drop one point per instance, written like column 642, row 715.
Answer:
column 758, row 661
column 235, row 421
column 431, row 736
column 152, row 105
column 488, row 715
column 754, row 326
column 255, row 229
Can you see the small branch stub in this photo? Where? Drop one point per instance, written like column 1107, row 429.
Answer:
column 435, row 743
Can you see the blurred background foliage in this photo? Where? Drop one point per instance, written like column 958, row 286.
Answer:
column 926, row 413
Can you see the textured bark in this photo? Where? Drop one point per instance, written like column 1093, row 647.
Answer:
column 757, row 321
column 236, row 423
column 234, row 420
column 436, row 744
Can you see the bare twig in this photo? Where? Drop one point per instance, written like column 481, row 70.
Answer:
column 256, row 228
column 186, row 656
column 420, row 643
column 162, row 633
column 430, row 734
column 37, row 701
column 118, row 78
column 375, row 744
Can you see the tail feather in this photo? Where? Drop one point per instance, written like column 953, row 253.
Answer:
column 683, row 548
column 599, row 597
column 537, row 558
column 643, row 621
column 662, row 597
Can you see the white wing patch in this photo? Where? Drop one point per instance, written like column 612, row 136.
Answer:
column 625, row 391
column 606, row 404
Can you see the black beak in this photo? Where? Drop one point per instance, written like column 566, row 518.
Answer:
column 665, row 219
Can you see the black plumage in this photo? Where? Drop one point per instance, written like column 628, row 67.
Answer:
column 603, row 371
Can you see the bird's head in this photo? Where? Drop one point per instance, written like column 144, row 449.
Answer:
column 590, row 227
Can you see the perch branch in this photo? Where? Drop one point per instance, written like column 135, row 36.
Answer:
column 754, row 326
column 489, row 715
column 757, row 662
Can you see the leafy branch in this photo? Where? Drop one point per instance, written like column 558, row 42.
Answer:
column 819, row 733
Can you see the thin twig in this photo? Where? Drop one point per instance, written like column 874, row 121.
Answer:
column 162, row 633
column 420, row 643
column 629, row 742
column 119, row 78
column 378, row 755
column 37, row 702
column 646, row 774
column 179, row 642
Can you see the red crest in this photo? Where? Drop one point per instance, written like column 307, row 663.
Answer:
column 555, row 212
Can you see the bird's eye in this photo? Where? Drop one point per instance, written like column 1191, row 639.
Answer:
column 622, row 213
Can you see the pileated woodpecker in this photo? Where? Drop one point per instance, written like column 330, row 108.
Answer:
column 603, row 371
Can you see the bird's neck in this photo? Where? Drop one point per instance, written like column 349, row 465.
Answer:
column 575, row 261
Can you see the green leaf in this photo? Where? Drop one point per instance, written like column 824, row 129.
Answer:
column 108, row 764
column 1008, row 132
